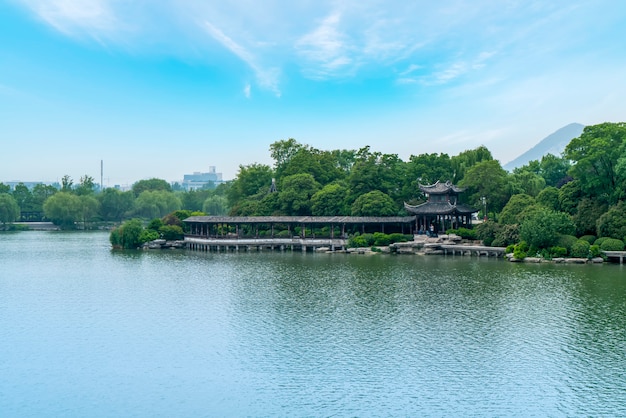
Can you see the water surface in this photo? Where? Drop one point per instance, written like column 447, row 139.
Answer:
column 87, row 331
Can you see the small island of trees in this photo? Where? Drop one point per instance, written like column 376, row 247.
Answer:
column 572, row 204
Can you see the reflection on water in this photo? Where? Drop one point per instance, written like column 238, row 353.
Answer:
column 87, row 331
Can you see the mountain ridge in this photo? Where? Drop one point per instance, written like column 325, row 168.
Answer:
column 554, row 143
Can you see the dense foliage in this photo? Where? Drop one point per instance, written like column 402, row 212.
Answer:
column 546, row 203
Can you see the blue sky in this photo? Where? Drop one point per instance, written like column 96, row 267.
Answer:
column 161, row 88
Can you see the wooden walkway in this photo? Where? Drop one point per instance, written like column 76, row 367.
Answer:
column 258, row 244
column 477, row 250
column 615, row 255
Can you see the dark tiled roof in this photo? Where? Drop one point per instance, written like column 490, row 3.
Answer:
column 301, row 219
column 440, row 208
column 440, row 188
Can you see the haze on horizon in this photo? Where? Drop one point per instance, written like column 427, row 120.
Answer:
column 164, row 88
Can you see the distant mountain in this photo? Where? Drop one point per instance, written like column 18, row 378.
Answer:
column 552, row 144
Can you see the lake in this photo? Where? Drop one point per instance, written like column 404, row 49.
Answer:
column 86, row 331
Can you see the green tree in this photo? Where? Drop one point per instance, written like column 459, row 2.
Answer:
column 115, row 204
column 330, row 201
column 5, row 188
column 549, row 198
column 152, row 184
column 41, row 193
column 542, row 228
column 569, row 195
column 488, row 179
column 215, row 205
column 320, row 164
column 89, row 209
column 63, row 209
column 613, row 223
column 66, row 183
column 376, row 171
column 526, row 182
column 251, row 180
column 283, row 151
column 86, row 186
column 156, row 203
column 23, row 197
column 554, row 170
column 595, row 157
column 295, row 195
column 128, row 235
column 587, row 214
column 9, row 209
column 467, row 159
column 517, row 207
column 374, row 203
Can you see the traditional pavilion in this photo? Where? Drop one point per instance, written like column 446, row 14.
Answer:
column 442, row 209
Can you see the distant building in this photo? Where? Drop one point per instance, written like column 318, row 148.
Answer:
column 199, row 180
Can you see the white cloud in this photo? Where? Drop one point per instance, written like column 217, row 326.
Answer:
column 324, row 48
column 267, row 77
column 246, row 91
column 72, row 17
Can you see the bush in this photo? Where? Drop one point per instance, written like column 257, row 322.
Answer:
column 520, row 250
column 589, row 238
column 397, row 237
column 600, row 240
column 580, row 249
column 464, row 233
column 506, row 235
column 543, row 227
column 171, row 232
column 381, row 239
column 148, row 235
column 567, row 241
column 127, row 235
column 486, row 232
column 612, row 244
column 594, row 251
column 510, row 248
column 557, row 252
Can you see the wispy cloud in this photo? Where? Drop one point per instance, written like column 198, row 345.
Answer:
column 74, row 17
column 266, row 77
column 324, row 48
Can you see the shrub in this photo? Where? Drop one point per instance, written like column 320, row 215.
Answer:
column 506, row 235
column 127, row 235
column 600, row 240
column 580, row 249
column 171, row 232
column 543, row 227
column 148, row 235
column 487, row 231
column 613, row 223
column 381, row 239
column 612, row 244
column 567, row 241
column 464, row 233
column 510, row 248
column 397, row 237
column 557, row 252
column 594, row 251
column 589, row 238
column 520, row 250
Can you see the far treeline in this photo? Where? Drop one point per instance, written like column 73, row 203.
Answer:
column 546, row 203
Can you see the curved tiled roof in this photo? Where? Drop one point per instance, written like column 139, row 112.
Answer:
column 301, row 219
column 440, row 208
column 440, row 188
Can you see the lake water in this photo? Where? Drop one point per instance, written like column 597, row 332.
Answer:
column 90, row 332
